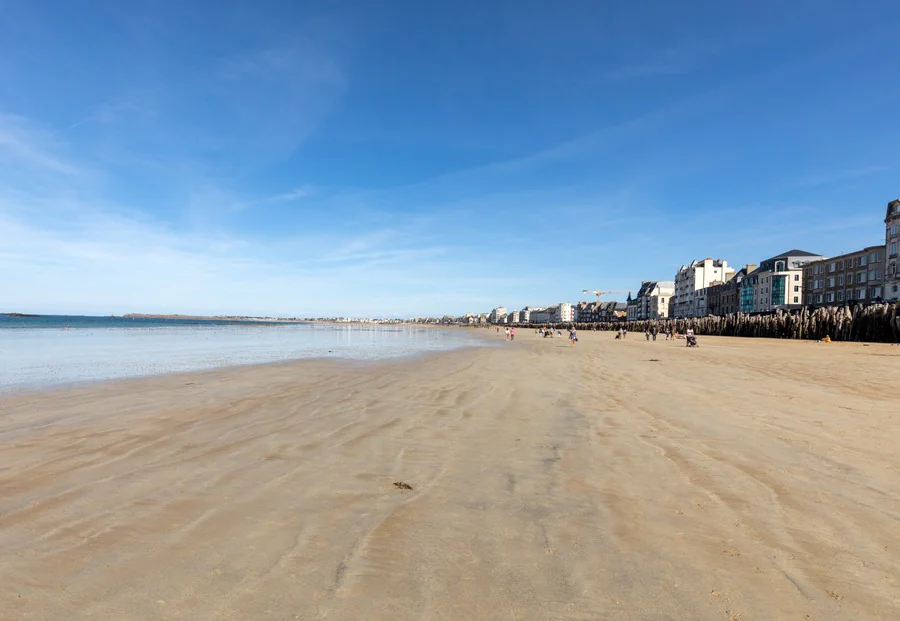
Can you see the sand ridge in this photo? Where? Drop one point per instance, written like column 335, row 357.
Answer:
column 746, row 479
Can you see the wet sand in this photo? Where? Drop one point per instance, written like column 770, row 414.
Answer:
column 743, row 480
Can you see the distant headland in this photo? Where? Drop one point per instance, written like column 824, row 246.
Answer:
column 17, row 315
column 211, row 317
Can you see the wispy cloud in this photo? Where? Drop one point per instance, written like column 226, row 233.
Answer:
column 107, row 112
column 273, row 99
column 837, row 176
column 668, row 63
column 294, row 195
column 101, row 261
column 24, row 145
column 654, row 63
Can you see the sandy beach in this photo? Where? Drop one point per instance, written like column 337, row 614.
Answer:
column 740, row 481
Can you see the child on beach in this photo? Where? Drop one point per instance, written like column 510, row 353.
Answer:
column 572, row 336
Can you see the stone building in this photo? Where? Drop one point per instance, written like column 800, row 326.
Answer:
column 653, row 299
column 891, row 290
column 851, row 278
column 723, row 298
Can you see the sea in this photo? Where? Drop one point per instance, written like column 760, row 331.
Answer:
column 46, row 351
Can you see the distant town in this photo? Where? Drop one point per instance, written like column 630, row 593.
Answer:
column 706, row 287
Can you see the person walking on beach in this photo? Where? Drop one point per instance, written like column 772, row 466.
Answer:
column 512, row 334
column 647, row 334
column 507, row 334
column 573, row 337
column 653, row 332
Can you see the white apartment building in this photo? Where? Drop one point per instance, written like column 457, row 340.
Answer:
column 564, row 312
column 525, row 315
column 513, row 317
column 497, row 315
column 691, row 279
column 559, row 313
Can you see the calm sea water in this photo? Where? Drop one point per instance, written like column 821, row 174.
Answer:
column 37, row 352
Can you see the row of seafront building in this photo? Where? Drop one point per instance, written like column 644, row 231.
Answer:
column 564, row 312
column 788, row 281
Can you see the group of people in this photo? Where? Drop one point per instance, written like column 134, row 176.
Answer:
column 653, row 331
column 547, row 332
column 649, row 333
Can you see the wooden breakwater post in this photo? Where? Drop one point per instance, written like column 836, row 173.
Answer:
column 872, row 323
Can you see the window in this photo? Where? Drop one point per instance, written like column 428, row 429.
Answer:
column 831, row 281
column 861, row 294
column 879, row 257
column 871, row 257
column 841, row 280
column 863, row 261
column 874, row 274
column 829, row 297
column 818, row 298
column 779, row 266
column 848, row 263
column 832, row 266
column 796, row 299
column 796, row 277
column 892, row 268
column 893, row 251
column 840, row 296
column 893, row 230
column 876, row 293
column 849, row 295
column 860, row 277
column 796, row 288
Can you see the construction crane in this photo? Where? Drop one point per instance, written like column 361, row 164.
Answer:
column 599, row 293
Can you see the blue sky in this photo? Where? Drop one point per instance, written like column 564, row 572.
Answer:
column 405, row 158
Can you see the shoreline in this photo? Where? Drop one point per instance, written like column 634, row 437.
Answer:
column 229, row 357
column 546, row 482
column 489, row 337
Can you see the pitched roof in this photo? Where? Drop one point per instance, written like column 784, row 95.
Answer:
column 796, row 253
column 646, row 287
